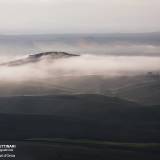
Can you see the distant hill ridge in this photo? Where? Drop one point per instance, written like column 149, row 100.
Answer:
column 37, row 57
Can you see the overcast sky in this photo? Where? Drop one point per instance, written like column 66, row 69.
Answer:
column 78, row 16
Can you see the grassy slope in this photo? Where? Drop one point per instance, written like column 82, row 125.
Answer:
column 79, row 116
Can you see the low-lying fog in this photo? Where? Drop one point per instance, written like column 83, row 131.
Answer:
column 80, row 66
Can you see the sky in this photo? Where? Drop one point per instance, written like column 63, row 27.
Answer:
column 79, row 16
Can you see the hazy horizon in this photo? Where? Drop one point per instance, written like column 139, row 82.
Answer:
column 78, row 33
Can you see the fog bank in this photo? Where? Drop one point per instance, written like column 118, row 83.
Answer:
column 83, row 65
